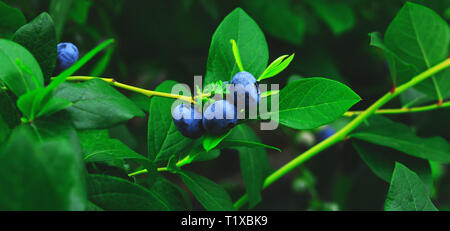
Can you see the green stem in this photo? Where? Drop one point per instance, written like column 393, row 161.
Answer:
column 132, row 88
column 403, row 110
column 341, row 134
column 186, row 160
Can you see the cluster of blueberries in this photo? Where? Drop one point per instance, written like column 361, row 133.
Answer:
column 67, row 54
column 221, row 115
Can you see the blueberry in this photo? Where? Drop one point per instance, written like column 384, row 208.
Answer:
column 219, row 117
column 67, row 55
column 188, row 121
column 245, row 85
column 325, row 133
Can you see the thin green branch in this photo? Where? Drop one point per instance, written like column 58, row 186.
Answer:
column 186, row 160
column 341, row 134
column 132, row 88
column 404, row 110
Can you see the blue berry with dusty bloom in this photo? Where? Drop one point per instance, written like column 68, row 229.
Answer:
column 188, row 121
column 246, row 86
column 67, row 55
column 219, row 117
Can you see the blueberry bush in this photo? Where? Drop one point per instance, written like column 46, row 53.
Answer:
column 363, row 88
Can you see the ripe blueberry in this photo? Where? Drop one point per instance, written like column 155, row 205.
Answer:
column 219, row 117
column 325, row 133
column 67, row 55
column 245, row 85
column 188, row 121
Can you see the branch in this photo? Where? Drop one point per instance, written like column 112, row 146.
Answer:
column 132, row 88
column 186, row 160
column 403, row 110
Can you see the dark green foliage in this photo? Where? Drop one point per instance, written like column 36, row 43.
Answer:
column 209, row 194
column 384, row 132
column 92, row 138
column 39, row 37
column 254, row 163
column 40, row 176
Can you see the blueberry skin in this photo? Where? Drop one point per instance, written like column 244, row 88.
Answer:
column 185, row 119
column 240, row 81
column 325, row 133
column 219, row 124
column 67, row 55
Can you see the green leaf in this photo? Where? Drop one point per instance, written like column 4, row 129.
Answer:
column 413, row 97
column 54, row 105
column 234, row 143
column 249, row 38
column 95, row 104
column 40, row 176
column 9, row 111
column 401, row 72
column 142, row 101
column 339, row 16
column 205, row 156
column 4, row 130
column 112, row 193
column 283, row 20
column 97, row 146
column 28, row 104
column 60, row 11
column 176, row 198
column 381, row 161
column 209, row 194
column 313, row 102
column 92, row 207
column 421, row 37
column 164, row 139
column 276, row 66
column 385, row 132
column 10, row 20
column 198, row 153
column 211, row 141
column 254, row 163
column 407, row 192
column 13, row 60
column 39, row 37
column 58, row 125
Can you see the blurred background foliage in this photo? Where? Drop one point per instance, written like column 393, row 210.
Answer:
column 160, row 40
